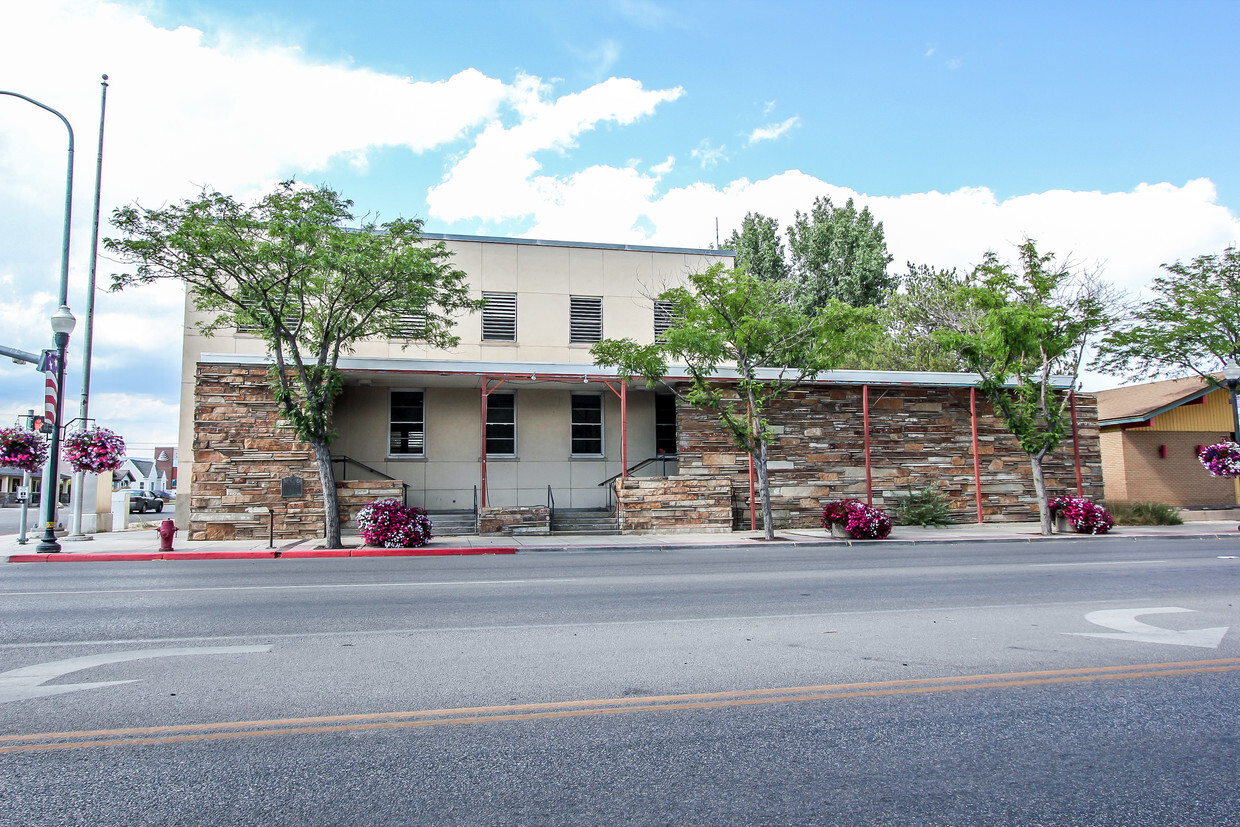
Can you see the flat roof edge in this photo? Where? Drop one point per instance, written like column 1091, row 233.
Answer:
column 481, row 367
column 540, row 242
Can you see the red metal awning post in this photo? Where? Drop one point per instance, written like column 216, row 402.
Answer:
column 624, row 423
column 977, row 460
column 1076, row 445
column 865, row 418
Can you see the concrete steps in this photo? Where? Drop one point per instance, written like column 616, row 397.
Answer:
column 452, row 523
column 597, row 521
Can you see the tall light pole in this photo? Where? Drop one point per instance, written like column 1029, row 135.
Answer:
column 49, row 502
column 62, row 326
column 79, row 478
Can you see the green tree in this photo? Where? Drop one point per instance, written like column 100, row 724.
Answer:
column 927, row 300
column 1191, row 323
column 759, row 247
column 287, row 268
column 839, row 253
column 745, row 345
column 1033, row 326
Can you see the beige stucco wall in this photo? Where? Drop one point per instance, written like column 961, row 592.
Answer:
column 446, row 476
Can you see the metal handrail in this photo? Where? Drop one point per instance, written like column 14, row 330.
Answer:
column 477, row 523
column 639, row 466
column 550, row 507
column 344, row 475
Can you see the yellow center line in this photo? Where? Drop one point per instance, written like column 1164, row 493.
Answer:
column 610, row 706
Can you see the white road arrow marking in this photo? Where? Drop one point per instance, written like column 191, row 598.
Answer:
column 26, row 682
column 1127, row 627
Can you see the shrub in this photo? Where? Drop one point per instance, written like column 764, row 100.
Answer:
column 1085, row 517
column 924, row 507
column 864, row 521
column 22, row 449
column 389, row 524
column 1145, row 514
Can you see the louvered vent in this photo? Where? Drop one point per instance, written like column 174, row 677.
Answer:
column 585, row 323
column 499, row 317
column 412, row 325
column 662, row 318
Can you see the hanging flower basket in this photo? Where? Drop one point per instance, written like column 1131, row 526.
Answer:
column 94, row 450
column 1221, row 460
column 22, row 449
column 389, row 524
column 1084, row 517
column 855, row 519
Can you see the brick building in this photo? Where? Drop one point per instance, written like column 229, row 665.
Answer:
column 517, row 420
column 1150, row 435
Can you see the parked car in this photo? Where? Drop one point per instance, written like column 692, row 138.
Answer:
column 166, row 496
column 142, row 501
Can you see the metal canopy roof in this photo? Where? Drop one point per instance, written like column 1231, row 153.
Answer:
column 469, row 372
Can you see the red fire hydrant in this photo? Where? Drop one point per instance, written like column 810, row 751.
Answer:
column 166, row 529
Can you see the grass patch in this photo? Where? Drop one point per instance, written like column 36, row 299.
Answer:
column 1125, row 513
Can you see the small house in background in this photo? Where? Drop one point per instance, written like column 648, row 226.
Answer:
column 1150, row 437
column 142, row 474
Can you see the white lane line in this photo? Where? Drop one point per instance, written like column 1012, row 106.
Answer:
column 1096, row 563
column 293, row 587
column 581, row 624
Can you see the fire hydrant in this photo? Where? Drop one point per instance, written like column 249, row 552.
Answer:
column 166, row 529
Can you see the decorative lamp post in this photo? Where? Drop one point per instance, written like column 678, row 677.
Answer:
column 1231, row 372
column 62, row 325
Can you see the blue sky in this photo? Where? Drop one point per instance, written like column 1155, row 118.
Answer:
column 1104, row 130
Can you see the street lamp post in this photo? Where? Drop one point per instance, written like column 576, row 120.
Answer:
column 1231, row 372
column 62, row 326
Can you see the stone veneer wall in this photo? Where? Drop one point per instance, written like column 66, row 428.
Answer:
column 241, row 452
column 531, row 519
column 918, row 436
column 671, row 505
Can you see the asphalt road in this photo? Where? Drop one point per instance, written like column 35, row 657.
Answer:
column 877, row 684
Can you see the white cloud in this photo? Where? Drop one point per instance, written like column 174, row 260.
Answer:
column 665, row 167
column 773, row 130
column 502, row 162
column 708, row 156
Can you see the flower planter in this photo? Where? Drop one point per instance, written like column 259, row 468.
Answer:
column 1061, row 524
column 840, row 533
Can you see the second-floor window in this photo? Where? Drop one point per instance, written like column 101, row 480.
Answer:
column 585, row 319
column 499, row 317
column 412, row 325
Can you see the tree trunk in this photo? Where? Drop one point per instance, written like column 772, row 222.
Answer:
column 764, row 492
column 331, row 502
column 1039, row 485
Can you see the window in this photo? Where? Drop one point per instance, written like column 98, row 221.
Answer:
column 664, row 423
column 407, row 431
column 587, row 425
column 502, row 424
column 411, row 325
column 585, row 319
column 662, row 318
column 499, row 317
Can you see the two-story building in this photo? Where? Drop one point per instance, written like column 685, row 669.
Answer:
column 518, row 417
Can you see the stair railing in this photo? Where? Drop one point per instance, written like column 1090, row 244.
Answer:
column 344, row 475
column 550, row 508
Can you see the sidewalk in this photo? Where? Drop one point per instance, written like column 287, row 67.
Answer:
column 143, row 544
